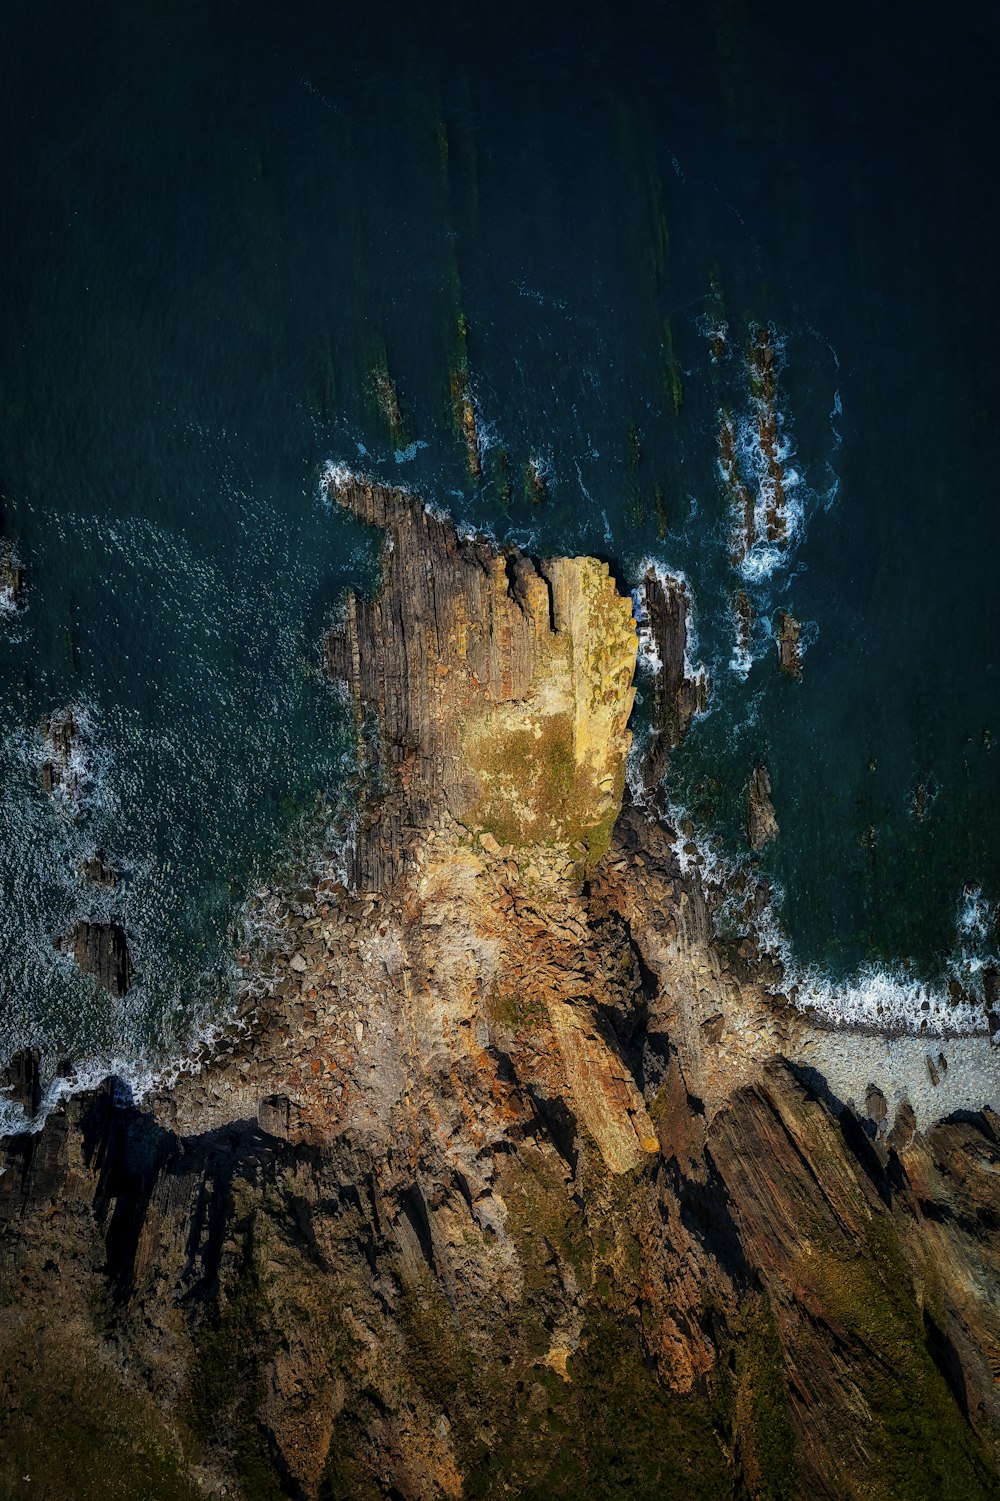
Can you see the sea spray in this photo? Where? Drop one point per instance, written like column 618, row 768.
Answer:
column 874, row 997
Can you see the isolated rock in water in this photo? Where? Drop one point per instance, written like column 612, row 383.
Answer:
column 790, row 644
column 534, row 481
column 101, row 949
column 679, row 692
column 465, row 419
column 744, row 613
column 12, row 582
column 62, row 771
column 762, row 825
column 745, row 528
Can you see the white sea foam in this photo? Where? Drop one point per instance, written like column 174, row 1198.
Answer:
column 715, row 330
column 544, row 466
column 9, row 562
column 875, row 997
column 408, row 454
column 879, row 999
column 765, row 558
column 741, row 659
column 335, row 476
column 975, row 914
column 140, row 773
column 648, row 656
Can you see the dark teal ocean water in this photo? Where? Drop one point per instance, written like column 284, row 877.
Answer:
column 222, row 220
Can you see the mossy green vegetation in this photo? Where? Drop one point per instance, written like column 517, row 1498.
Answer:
column 439, row 1359
column 225, row 1386
column 73, row 1428
column 919, row 1443
column 749, row 1399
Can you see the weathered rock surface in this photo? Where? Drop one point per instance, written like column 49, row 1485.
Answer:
column 95, row 868
column 20, row 1081
column 62, row 772
column 789, row 644
column 762, row 823
column 101, row 949
column 501, row 691
column 13, row 580
column 680, row 691
column 503, row 1183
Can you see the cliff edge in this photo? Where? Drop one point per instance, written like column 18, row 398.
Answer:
column 510, row 1179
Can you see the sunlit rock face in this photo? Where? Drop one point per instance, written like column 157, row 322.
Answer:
column 508, row 693
column 510, row 1177
column 501, row 689
column 551, row 764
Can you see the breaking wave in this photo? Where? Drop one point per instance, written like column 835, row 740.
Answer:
column 875, row 997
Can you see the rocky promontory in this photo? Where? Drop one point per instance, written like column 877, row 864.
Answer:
column 510, row 1178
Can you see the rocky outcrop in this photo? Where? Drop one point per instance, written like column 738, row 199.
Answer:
column 95, row 868
column 13, row 581
column 789, row 645
column 62, row 771
column 506, row 1180
column 101, row 949
column 21, row 1081
column 498, row 693
column 680, row 691
column 762, row 364
column 464, row 409
column 762, row 822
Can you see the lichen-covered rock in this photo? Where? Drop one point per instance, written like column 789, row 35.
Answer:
column 500, row 691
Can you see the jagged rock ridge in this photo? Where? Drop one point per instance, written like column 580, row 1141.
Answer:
column 510, row 1184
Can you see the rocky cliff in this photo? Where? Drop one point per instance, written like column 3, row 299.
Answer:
column 510, row 1180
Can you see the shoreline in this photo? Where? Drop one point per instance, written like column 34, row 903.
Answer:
column 664, row 615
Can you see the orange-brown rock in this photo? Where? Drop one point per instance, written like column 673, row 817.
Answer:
column 509, row 1178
